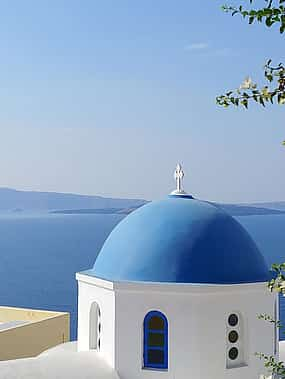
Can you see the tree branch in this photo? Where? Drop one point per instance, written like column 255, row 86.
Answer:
column 270, row 14
column 273, row 74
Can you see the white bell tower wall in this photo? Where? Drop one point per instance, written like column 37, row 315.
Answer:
column 96, row 316
column 213, row 331
column 199, row 341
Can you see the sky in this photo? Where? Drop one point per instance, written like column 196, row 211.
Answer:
column 106, row 97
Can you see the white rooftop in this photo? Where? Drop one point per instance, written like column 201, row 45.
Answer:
column 62, row 362
column 65, row 362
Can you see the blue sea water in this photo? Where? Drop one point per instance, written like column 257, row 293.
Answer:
column 40, row 253
column 268, row 231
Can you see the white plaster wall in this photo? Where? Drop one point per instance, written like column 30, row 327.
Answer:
column 104, row 297
column 197, row 319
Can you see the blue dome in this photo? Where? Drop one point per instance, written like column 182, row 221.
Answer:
column 180, row 240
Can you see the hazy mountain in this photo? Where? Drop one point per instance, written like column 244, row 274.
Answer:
column 11, row 199
column 232, row 209
column 123, row 211
column 279, row 205
column 249, row 210
column 67, row 203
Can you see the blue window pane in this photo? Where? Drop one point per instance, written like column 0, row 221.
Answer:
column 156, row 339
column 156, row 323
column 155, row 356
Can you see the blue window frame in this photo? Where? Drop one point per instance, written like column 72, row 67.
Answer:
column 155, row 341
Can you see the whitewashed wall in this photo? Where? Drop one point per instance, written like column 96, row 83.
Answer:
column 197, row 323
column 88, row 292
column 197, row 330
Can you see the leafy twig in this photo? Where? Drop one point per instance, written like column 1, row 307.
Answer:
column 273, row 366
column 269, row 14
column 249, row 91
column 270, row 319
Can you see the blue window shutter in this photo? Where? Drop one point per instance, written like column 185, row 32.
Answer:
column 155, row 355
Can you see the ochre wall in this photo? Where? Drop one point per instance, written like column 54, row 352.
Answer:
column 45, row 330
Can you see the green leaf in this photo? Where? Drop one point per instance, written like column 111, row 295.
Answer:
column 268, row 21
column 267, row 12
column 269, row 77
column 251, row 19
column 272, row 96
column 261, row 101
column 259, row 17
column 276, row 11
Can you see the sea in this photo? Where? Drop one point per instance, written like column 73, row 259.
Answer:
column 40, row 254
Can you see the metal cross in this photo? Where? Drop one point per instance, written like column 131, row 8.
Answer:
column 178, row 176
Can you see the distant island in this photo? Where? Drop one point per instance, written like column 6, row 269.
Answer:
column 95, row 211
column 249, row 210
column 232, row 209
column 277, row 205
column 22, row 201
column 19, row 202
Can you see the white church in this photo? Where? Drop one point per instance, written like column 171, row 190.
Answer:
column 174, row 293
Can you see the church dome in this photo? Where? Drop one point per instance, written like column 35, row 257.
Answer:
column 180, row 240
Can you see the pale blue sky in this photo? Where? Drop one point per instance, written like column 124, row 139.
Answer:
column 105, row 97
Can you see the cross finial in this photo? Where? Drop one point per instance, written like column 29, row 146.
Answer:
column 178, row 176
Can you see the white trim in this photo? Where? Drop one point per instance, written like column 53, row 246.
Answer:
column 171, row 287
column 81, row 277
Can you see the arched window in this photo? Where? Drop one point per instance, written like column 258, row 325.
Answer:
column 155, row 341
column 94, row 327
